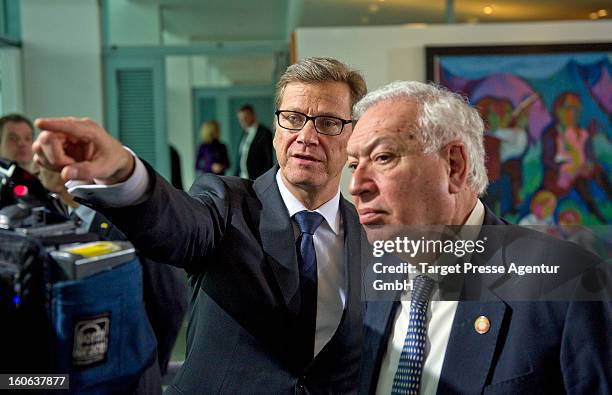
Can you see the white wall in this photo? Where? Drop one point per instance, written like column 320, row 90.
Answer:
column 180, row 114
column 11, row 94
column 62, row 64
column 133, row 23
column 206, row 74
column 386, row 54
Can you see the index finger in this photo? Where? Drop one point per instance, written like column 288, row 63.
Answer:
column 49, row 150
column 69, row 125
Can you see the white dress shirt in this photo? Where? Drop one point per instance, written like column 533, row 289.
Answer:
column 329, row 244
column 245, row 146
column 440, row 316
column 125, row 193
column 328, row 240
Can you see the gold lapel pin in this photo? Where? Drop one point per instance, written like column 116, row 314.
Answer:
column 482, row 325
column 104, row 225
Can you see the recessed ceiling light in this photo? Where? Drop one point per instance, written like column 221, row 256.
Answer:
column 415, row 25
column 488, row 10
column 373, row 8
column 602, row 13
column 593, row 15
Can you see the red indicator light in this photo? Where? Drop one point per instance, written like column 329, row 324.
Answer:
column 20, row 190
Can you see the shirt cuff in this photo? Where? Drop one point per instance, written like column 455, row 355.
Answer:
column 126, row 193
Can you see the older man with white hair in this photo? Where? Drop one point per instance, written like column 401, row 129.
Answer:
column 417, row 159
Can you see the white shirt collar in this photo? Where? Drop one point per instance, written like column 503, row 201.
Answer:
column 471, row 227
column 251, row 130
column 477, row 215
column 330, row 210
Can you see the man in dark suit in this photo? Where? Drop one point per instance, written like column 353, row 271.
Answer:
column 276, row 302
column 418, row 159
column 255, row 150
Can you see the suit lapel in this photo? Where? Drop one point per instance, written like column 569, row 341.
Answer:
column 105, row 230
column 351, row 257
column 469, row 355
column 378, row 318
column 99, row 225
column 380, row 310
column 277, row 238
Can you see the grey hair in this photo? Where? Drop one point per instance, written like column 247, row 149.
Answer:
column 443, row 116
column 312, row 70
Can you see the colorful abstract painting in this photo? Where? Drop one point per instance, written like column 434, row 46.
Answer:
column 548, row 126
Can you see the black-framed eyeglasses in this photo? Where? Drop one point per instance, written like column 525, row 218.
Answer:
column 324, row 124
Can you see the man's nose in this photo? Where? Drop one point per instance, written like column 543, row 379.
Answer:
column 308, row 135
column 361, row 182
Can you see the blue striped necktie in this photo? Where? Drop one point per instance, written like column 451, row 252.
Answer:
column 408, row 375
column 308, row 223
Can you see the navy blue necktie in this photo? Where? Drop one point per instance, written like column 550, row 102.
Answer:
column 408, row 375
column 308, row 223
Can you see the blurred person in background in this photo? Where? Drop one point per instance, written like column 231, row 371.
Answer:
column 212, row 154
column 16, row 136
column 176, row 175
column 255, row 152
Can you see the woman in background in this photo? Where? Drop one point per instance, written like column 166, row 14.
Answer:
column 212, row 154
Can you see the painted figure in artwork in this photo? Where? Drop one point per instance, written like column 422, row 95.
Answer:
column 568, row 157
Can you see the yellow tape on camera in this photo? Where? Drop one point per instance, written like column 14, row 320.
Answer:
column 97, row 248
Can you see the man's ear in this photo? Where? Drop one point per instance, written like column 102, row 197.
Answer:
column 456, row 156
column 275, row 138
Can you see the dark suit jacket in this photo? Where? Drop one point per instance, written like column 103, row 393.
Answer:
column 175, row 168
column 259, row 159
column 235, row 239
column 531, row 347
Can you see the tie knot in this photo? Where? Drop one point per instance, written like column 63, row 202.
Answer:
column 308, row 221
column 421, row 289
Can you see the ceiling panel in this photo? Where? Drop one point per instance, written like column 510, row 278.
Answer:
column 393, row 12
column 223, row 20
column 252, row 20
column 369, row 12
column 528, row 10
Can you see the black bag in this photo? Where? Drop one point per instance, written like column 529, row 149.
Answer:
column 25, row 331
